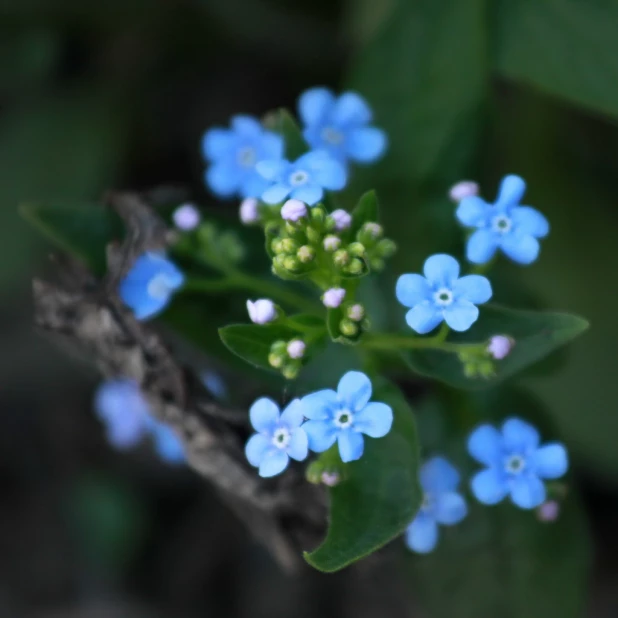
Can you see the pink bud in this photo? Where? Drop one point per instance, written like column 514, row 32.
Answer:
column 548, row 511
column 500, row 346
column 462, row 189
column 342, row 219
column 261, row 311
column 356, row 312
column 333, row 297
column 249, row 211
column 332, row 243
column 296, row 348
column 293, row 210
column 330, row 478
column 186, row 217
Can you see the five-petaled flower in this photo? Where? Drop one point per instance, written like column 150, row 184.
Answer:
column 148, row 287
column 442, row 295
column 442, row 504
column 503, row 225
column 344, row 416
column 233, row 154
column 304, row 179
column 516, row 464
column 279, row 437
column 339, row 125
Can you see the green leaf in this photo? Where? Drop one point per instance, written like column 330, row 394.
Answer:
column 380, row 496
column 536, row 335
column 365, row 211
column 567, row 48
column 284, row 124
column 305, row 322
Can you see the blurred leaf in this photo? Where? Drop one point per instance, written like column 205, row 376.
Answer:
column 567, row 48
column 380, row 496
column 536, row 335
column 305, row 321
column 283, row 123
column 365, row 211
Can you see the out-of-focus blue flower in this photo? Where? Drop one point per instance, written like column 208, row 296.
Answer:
column 339, row 125
column 516, row 464
column 148, row 286
column 344, row 416
column 233, row 153
column 304, row 179
column 279, row 437
column 504, row 225
column 123, row 408
column 442, row 295
column 215, row 385
column 442, row 504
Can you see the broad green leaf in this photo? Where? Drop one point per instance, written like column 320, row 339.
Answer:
column 536, row 335
column 381, row 495
column 305, row 322
column 365, row 211
column 567, row 48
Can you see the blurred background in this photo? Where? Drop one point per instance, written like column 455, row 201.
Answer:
column 117, row 94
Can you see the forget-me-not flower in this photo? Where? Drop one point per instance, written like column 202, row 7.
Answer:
column 233, row 154
column 504, row 225
column 304, row 179
column 123, row 408
column 516, row 464
column 442, row 295
column 442, row 504
column 340, row 125
column 279, row 437
column 148, row 287
column 344, row 416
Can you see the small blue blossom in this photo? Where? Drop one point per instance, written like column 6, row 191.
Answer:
column 339, row 125
column 503, row 225
column 148, row 286
column 279, row 437
column 123, row 408
column 442, row 504
column 516, row 464
column 305, row 179
column 233, row 153
column 442, row 295
column 344, row 416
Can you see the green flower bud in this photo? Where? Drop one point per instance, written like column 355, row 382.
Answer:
column 313, row 235
column 306, row 254
column 291, row 370
column 357, row 249
column 348, row 328
column 276, row 360
column 313, row 473
column 486, row 368
column 318, row 214
column 279, row 347
column 275, row 246
column 366, row 324
column 355, row 267
column 376, row 263
column 291, row 263
column 372, row 230
column 291, row 228
column 341, row 257
column 386, row 248
column 288, row 246
column 332, row 243
column 279, row 260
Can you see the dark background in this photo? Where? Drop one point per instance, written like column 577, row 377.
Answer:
column 100, row 95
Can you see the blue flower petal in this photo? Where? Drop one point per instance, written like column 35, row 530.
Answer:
column 365, row 144
column 422, row 534
column 256, row 448
column 474, row 288
column 293, row 415
column 441, row 269
column 275, row 194
column 320, row 405
column 167, row 444
column 550, row 461
column 272, row 169
column 324, row 170
column 144, row 307
column 485, row 445
column 527, row 491
column 351, row 445
column 423, row 318
column 450, row 508
column 489, row 486
column 124, row 436
column 472, row 211
column 354, row 390
column 461, row 315
column 519, row 436
column 273, row 463
column 321, row 435
column 218, row 143
column 311, row 194
column 314, row 105
column 374, row 420
column 412, row 290
column 222, row 178
column 246, row 126
column 530, row 221
column 264, row 415
column 512, row 189
column 350, row 109
column 481, row 246
column 253, row 185
column 271, row 146
column 298, row 447
column 438, row 475
column 520, row 248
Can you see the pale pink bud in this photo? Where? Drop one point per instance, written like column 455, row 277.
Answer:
column 296, row 348
column 465, row 188
column 261, row 311
column 500, row 346
column 293, row 210
column 333, row 297
column 249, row 211
column 330, row 478
column 332, row 243
column 548, row 511
column 186, row 217
column 342, row 219
column 356, row 312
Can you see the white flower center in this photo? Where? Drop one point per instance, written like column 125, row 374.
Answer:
column 427, row 502
column 299, row 177
column 332, row 136
column 501, row 224
column 515, row 464
column 443, row 297
column 159, row 287
column 246, row 156
column 344, row 418
column 281, row 437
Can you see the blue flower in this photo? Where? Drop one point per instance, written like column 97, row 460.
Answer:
column 305, row 179
column 503, row 225
column 233, row 153
column 442, row 295
column 441, row 505
column 344, row 416
column 123, row 408
column 339, row 126
column 148, row 286
column 516, row 464
column 279, row 437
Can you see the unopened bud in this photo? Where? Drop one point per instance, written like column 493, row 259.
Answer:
column 356, row 249
column 261, row 311
column 548, row 511
column 332, row 243
column 348, row 328
column 342, row 219
column 305, row 254
column 356, row 312
column 465, row 188
column 296, row 348
column 330, row 479
column 293, row 210
column 341, row 257
column 291, row 370
column 500, row 346
column 249, row 211
column 313, row 235
column 333, row 297
column 276, row 360
column 386, row 247
column 355, row 267
column 186, row 217
column 287, row 245
column 377, row 264
column 279, row 347
column 291, row 263
column 318, row 215
column 373, row 230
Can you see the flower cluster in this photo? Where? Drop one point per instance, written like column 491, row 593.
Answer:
column 287, row 356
